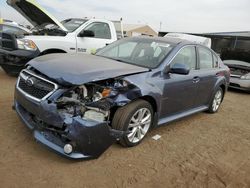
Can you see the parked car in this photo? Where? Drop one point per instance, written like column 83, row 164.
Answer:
column 72, row 35
column 78, row 105
column 240, row 74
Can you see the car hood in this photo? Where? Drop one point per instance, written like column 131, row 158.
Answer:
column 34, row 13
column 78, row 69
column 240, row 55
column 236, row 62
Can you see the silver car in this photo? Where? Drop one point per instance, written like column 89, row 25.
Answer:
column 240, row 74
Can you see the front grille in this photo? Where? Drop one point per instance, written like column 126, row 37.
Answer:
column 35, row 86
column 7, row 41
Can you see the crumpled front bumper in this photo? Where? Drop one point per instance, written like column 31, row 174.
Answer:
column 89, row 138
column 14, row 61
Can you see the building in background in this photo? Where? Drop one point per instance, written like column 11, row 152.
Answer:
column 130, row 30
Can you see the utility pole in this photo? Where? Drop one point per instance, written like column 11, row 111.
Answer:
column 160, row 26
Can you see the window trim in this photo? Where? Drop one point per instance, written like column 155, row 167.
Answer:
column 214, row 55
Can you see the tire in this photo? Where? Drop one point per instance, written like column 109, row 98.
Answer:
column 127, row 119
column 216, row 101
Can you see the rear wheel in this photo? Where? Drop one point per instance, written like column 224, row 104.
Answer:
column 216, row 102
column 135, row 119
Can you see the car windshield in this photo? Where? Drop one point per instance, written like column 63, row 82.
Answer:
column 73, row 24
column 144, row 52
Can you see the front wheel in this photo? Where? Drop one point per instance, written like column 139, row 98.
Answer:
column 135, row 119
column 216, row 102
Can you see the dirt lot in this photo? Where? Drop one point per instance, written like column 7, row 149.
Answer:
column 199, row 151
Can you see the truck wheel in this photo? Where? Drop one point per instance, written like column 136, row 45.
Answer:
column 135, row 119
column 216, row 101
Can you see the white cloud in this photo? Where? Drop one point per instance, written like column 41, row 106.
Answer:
column 175, row 15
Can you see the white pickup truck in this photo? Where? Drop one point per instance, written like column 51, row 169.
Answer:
column 51, row 36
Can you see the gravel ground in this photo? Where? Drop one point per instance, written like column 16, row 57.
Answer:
column 199, row 151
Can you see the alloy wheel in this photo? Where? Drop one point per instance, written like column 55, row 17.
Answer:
column 139, row 125
column 217, row 100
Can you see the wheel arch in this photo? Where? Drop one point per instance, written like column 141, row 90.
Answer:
column 222, row 84
column 223, row 87
column 151, row 100
column 52, row 51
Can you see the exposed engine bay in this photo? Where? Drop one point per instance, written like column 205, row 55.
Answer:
column 238, row 71
column 91, row 101
column 49, row 32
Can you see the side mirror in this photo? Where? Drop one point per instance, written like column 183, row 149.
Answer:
column 86, row 33
column 179, row 68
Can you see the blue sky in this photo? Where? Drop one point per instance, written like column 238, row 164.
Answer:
column 175, row 15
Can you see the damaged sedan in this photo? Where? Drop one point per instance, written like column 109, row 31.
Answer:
column 79, row 105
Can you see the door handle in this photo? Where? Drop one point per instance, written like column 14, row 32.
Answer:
column 196, row 79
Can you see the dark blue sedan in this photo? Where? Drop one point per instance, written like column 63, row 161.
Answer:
column 78, row 105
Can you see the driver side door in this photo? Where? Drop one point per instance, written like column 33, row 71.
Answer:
column 102, row 37
column 180, row 91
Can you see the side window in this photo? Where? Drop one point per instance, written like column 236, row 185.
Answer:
column 186, row 56
column 206, row 59
column 216, row 63
column 101, row 30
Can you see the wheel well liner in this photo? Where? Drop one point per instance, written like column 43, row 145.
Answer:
column 53, row 50
column 223, row 87
column 151, row 100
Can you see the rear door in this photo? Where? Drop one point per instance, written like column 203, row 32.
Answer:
column 102, row 37
column 207, row 65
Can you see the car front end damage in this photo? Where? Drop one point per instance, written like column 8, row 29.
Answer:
column 74, row 121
